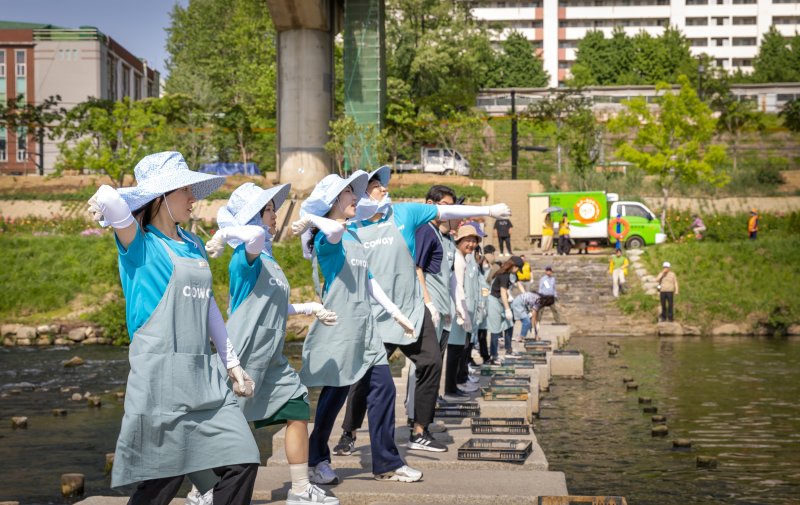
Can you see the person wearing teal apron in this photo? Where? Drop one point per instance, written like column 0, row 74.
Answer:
column 500, row 318
column 181, row 418
column 259, row 305
column 434, row 257
column 482, row 320
column 336, row 357
column 388, row 232
column 460, row 334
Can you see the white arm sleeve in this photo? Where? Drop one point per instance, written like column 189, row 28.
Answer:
column 458, row 269
column 452, row 288
column 382, row 298
column 219, row 335
column 307, row 308
column 333, row 230
column 461, row 211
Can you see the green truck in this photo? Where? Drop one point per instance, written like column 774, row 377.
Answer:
column 595, row 216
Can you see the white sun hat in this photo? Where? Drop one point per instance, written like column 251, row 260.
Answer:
column 666, row 264
column 246, row 201
column 159, row 173
column 320, row 201
column 384, row 174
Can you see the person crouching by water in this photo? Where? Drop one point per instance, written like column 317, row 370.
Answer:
column 259, row 306
column 181, row 418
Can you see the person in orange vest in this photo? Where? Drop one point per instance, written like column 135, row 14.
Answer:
column 752, row 225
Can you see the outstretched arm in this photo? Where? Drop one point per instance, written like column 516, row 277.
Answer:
column 109, row 209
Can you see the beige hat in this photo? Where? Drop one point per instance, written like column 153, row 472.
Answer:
column 467, row 230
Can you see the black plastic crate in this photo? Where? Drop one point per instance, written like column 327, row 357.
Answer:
column 461, row 409
column 505, row 393
column 497, row 370
column 500, row 426
column 487, row 449
column 522, row 381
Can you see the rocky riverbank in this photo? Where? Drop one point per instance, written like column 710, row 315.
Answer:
column 51, row 334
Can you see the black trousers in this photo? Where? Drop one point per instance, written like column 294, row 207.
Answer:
column 564, row 245
column 666, row 305
column 462, row 372
column 483, row 345
column 455, row 360
column 507, row 242
column 427, row 357
column 235, row 487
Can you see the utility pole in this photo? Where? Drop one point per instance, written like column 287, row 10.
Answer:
column 514, row 135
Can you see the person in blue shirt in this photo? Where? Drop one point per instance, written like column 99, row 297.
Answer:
column 335, row 357
column 388, row 232
column 547, row 298
column 181, row 418
column 259, row 306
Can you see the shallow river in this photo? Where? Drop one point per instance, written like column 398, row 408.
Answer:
column 737, row 399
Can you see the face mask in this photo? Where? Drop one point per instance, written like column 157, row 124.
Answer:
column 367, row 207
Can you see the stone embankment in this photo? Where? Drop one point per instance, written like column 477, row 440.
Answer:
column 51, row 334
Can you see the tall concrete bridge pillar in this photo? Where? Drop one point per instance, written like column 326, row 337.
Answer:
column 305, row 88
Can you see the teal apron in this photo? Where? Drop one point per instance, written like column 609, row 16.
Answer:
column 484, row 302
column 458, row 335
column 257, row 331
column 394, row 269
column 496, row 319
column 439, row 284
column 180, row 416
column 340, row 355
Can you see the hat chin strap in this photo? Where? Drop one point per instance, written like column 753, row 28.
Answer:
column 168, row 209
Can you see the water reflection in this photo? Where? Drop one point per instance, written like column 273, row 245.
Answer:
column 736, row 398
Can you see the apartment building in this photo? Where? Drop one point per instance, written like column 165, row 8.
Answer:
column 729, row 31
column 38, row 61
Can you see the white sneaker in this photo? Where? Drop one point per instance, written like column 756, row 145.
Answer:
column 323, row 474
column 473, row 379
column 403, row 474
column 195, row 498
column 468, row 387
column 313, row 494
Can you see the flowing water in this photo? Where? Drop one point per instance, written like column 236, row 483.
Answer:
column 737, row 399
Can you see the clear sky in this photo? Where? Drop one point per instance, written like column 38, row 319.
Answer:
column 139, row 25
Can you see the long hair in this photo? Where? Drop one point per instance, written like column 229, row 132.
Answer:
column 504, row 269
column 146, row 214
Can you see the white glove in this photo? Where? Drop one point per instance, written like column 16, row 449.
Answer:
column 216, row 245
column 301, row 225
column 253, row 237
column 435, row 316
column 404, row 323
column 509, row 315
column 464, row 321
column 499, row 211
column 325, row 316
column 243, row 385
column 107, row 207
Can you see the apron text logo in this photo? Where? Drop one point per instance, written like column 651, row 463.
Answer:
column 279, row 283
column 193, row 292
column 358, row 263
column 379, row 241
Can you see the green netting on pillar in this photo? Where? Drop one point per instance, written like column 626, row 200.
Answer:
column 364, row 75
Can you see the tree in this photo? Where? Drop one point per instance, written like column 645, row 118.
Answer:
column 791, row 115
column 518, row 66
column 18, row 115
column 349, row 143
column 735, row 116
column 109, row 137
column 223, row 56
column 777, row 60
column 672, row 141
column 593, row 58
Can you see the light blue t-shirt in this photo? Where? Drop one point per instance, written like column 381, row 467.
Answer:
column 243, row 276
column 145, row 270
column 407, row 217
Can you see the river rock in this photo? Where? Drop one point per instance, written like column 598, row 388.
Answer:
column 19, row 422
column 59, row 412
column 640, row 272
column 94, row 401
column 8, row 330
column 651, row 291
column 659, row 430
column 731, row 329
column 72, row 484
column 109, row 462
column 669, row 328
column 61, row 341
column 9, row 503
column 634, row 253
column 681, row 443
column 793, row 329
column 77, row 334
column 692, row 331
column 706, row 462
column 95, row 341
column 28, row 332
column 120, row 395
column 648, row 278
column 9, row 342
column 632, row 386
column 23, row 341
column 43, row 340
column 76, row 397
column 74, row 361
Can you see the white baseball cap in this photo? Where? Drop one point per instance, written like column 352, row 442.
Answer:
column 666, row 264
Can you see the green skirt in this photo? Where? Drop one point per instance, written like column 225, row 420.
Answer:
column 295, row 409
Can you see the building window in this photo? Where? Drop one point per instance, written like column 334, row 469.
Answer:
column 720, row 21
column 786, row 20
column 698, row 42
column 697, row 21
column 21, row 72
column 2, row 62
column 112, row 77
column 696, row 2
column 742, row 62
column 22, row 144
column 126, row 81
column 3, row 144
column 743, row 2
column 744, row 20
column 744, row 41
column 2, row 77
column 720, row 42
column 20, row 59
column 137, row 87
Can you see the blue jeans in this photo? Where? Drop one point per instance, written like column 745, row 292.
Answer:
column 526, row 326
column 495, row 340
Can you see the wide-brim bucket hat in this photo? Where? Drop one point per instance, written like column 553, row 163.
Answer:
column 384, row 174
column 245, row 204
column 467, row 230
column 320, row 201
column 159, row 173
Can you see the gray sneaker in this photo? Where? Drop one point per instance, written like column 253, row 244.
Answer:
column 323, row 474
